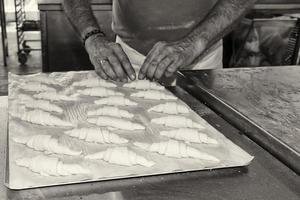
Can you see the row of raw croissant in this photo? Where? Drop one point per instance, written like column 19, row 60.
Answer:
column 122, row 155
column 50, row 94
column 102, row 136
column 113, row 116
column 94, row 87
column 40, row 117
column 116, row 155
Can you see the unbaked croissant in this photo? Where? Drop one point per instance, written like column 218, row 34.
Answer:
column 173, row 148
column 16, row 110
column 115, row 101
column 143, row 85
column 170, row 108
column 36, row 87
column 97, row 135
column 43, row 105
column 51, row 166
column 94, row 82
column 99, row 92
column 177, row 122
column 22, row 98
column 153, row 94
column 189, row 135
column 46, row 80
column 45, row 143
column 54, row 96
column 111, row 111
column 115, row 123
column 121, row 156
column 43, row 118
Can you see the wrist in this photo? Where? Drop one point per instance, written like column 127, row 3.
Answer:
column 197, row 44
column 92, row 39
column 87, row 30
column 92, row 33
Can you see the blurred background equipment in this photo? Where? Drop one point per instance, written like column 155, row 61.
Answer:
column 266, row 42
column 24, row 25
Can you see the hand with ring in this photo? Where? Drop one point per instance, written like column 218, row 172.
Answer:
column 109, row 59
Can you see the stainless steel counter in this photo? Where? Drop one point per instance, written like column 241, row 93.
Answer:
column 266, row 178
column 268, row 98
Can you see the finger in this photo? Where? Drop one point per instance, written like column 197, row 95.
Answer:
column 172, row 69
column 154, row 52
column 117, row 67
column 163, row 65
column 107, row 68
column 98, row 69
column 155, row 63
column 125, row 62
column 101, row 73
column 151, row 70
column 168, row 74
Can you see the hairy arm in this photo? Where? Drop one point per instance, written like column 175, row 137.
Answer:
column 108, row 58
column 220, row 21
column 81, row 16
column 167, row 58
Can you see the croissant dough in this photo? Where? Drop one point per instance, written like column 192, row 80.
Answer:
column 121, row 156
column 43, row 105
column 43, row 118
column 94, row 82
column 45, row 143
column 173, row 148
column 54, row 96
column 189, row 135
column 143, row 85
column 22, row 98
column 153, row 94
column 99, row 92
column 115, row 123
column 115, row 101
column 111, row 111
column 46, row 80
column 16, row 110
column 36, row 87
column 97, row 135
column 177, row 122
column 51, row 166
column 170, row 108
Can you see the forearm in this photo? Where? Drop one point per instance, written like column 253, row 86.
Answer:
column 81, row 16
column 219, row 22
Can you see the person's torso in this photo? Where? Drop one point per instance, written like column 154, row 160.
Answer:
column 141, row 23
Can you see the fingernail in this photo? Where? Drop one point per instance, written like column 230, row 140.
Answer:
column 125, row 80
column 118, row 80
column 132, row 77
column 141, row 76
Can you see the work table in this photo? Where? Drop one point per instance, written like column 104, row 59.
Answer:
column 263, row 102
column 265, row 178
column 269, row 96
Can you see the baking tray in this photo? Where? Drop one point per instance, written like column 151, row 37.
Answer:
column 229, row 154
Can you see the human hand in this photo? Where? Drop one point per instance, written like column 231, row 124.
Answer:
column 109, row 59
column 166, row 58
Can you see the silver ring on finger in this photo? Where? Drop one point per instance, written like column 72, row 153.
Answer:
column 103, row 61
